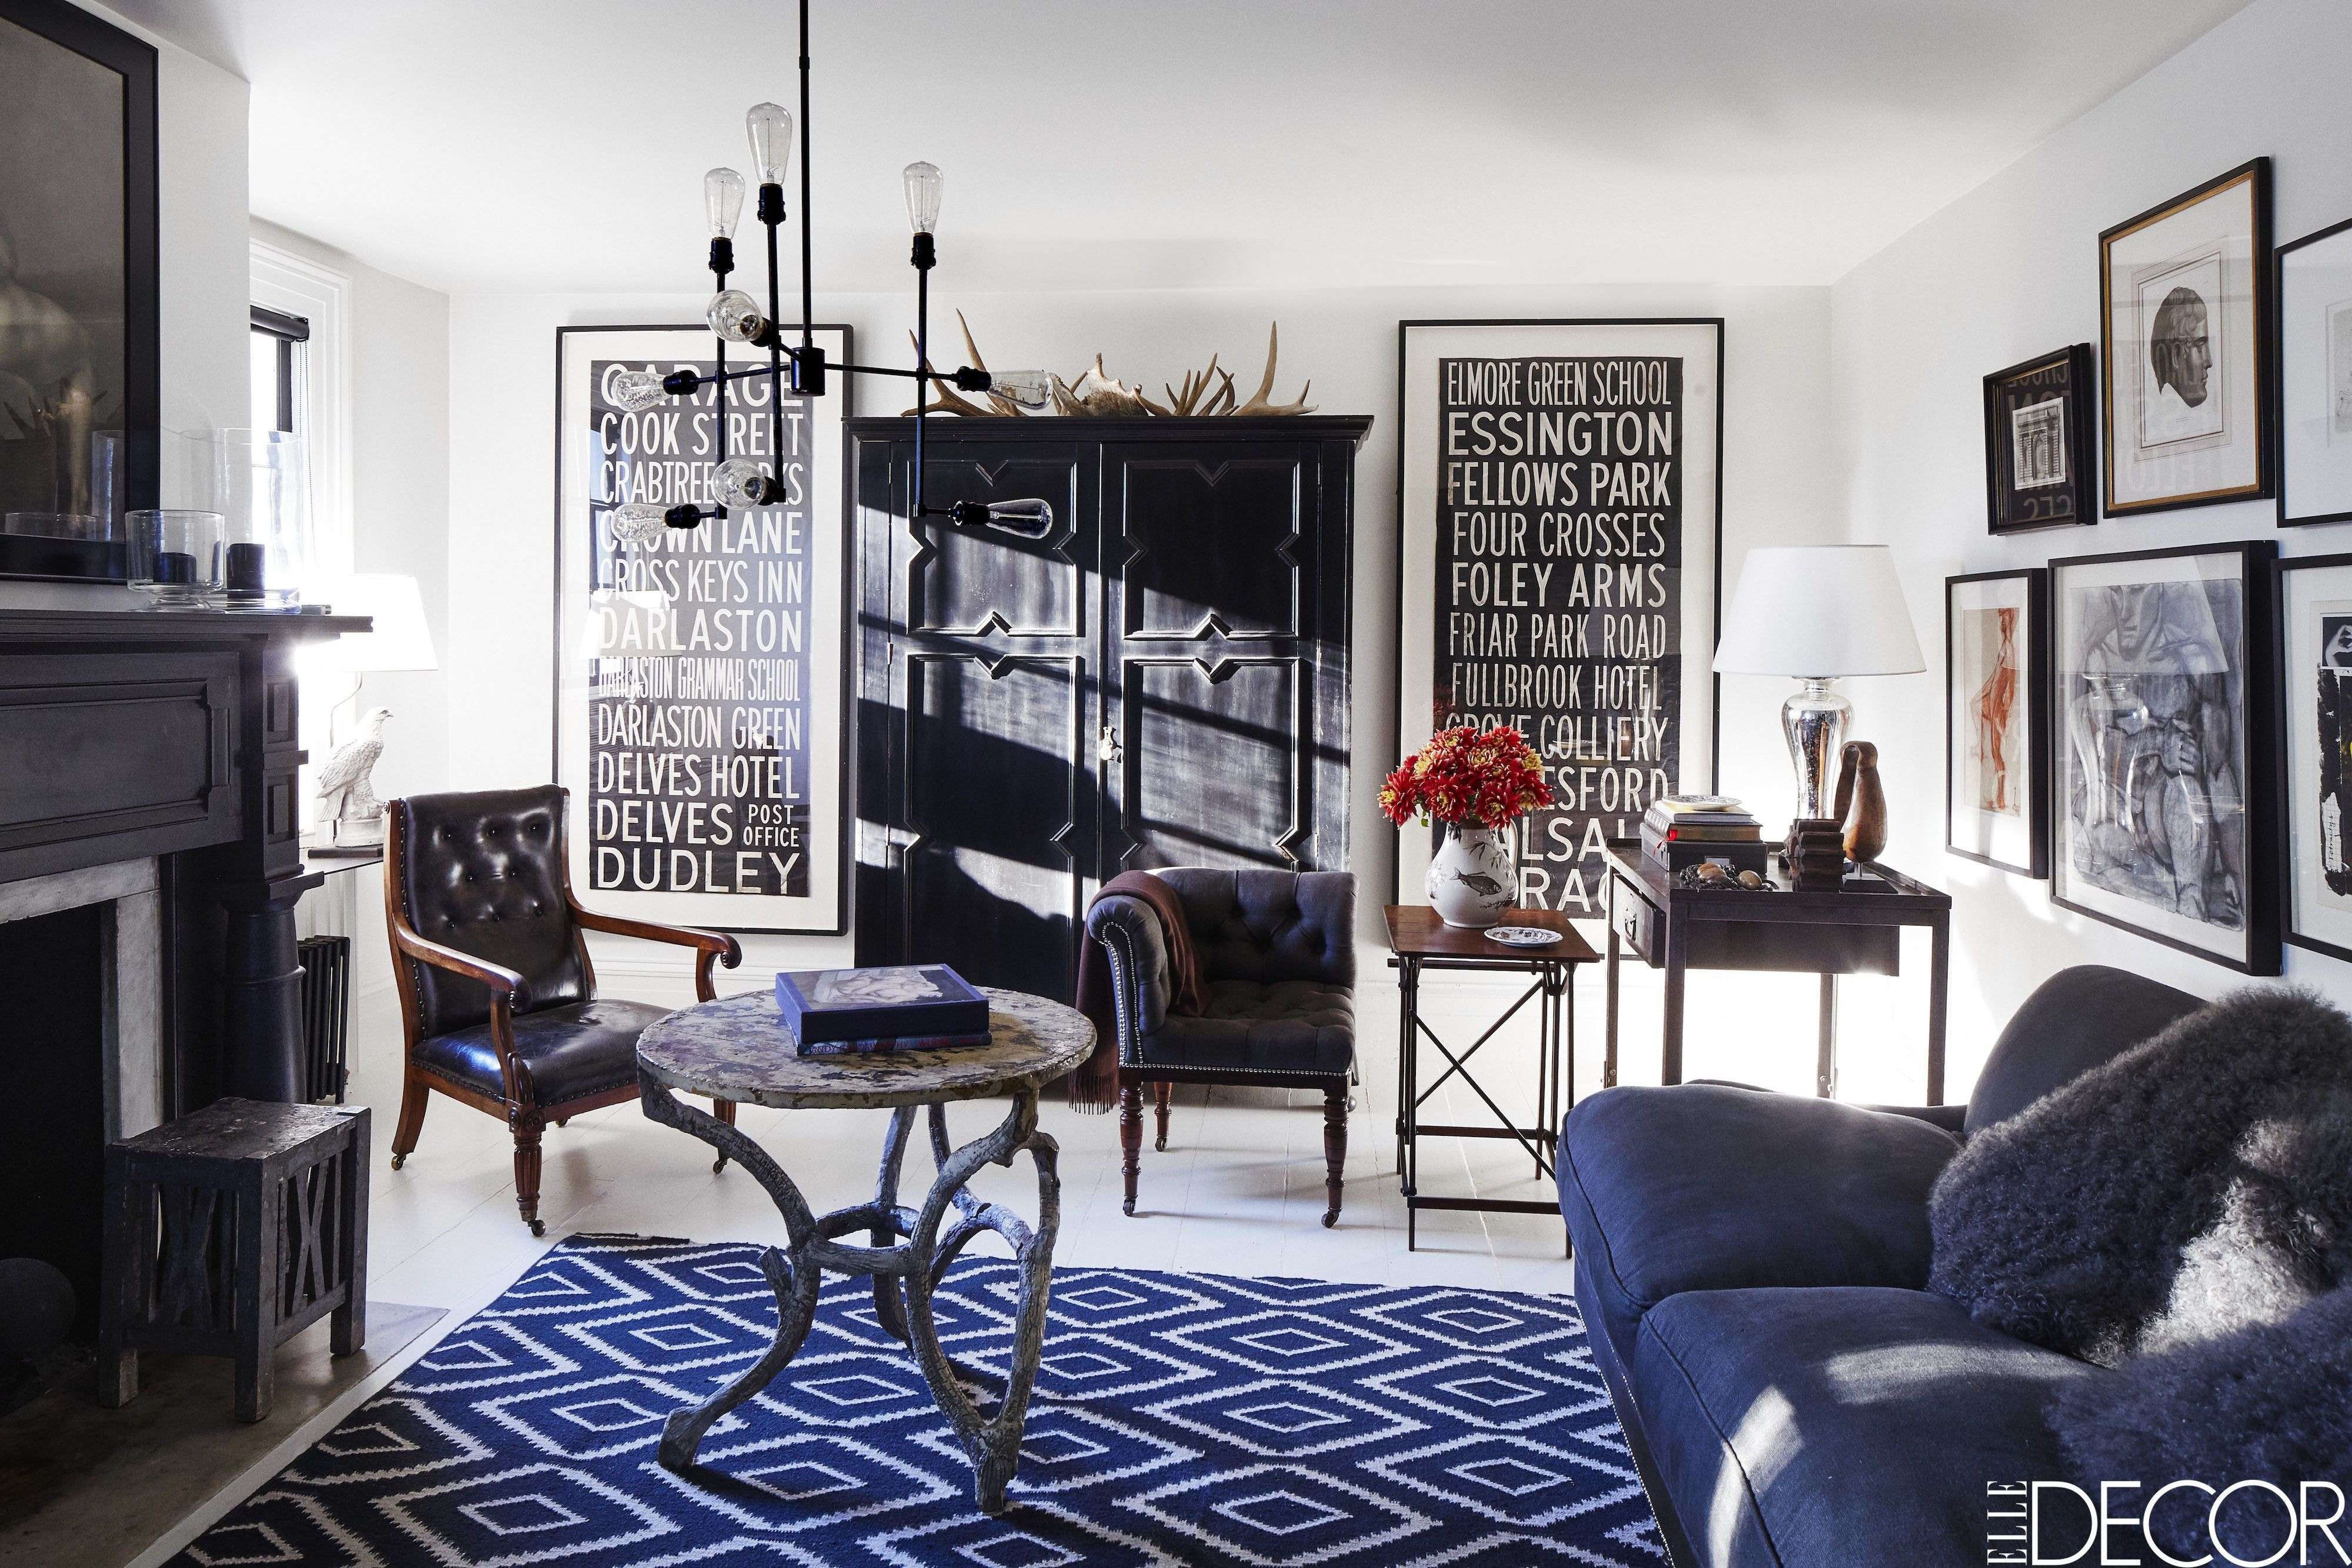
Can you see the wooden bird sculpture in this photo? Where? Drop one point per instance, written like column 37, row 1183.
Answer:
column 345, row 793
column 1862, row 802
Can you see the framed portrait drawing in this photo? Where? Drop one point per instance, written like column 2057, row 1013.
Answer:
column 80, row 365
column 2184, row 349
column 2038, row 448
column 700, row 716
column 2166, row 821
column 1559, row 518
column 2314, row 377
column 2314, row 686
column 1996, row 719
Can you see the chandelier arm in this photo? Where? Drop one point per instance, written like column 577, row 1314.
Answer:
column 922, row 359
column 808, row 287
column 776, row 343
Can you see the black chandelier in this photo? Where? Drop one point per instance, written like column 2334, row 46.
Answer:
column 736, row 318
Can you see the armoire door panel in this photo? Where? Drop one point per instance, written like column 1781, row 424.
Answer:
column 974, row 581
column 993, row 862
column 1214, row 760
column 1210, row 542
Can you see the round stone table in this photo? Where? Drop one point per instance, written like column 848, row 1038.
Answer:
column 737, row 1050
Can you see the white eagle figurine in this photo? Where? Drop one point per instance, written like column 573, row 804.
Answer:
column 346, row 798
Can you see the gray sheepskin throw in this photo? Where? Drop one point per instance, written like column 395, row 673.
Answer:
column 2199, row 1183
column 2271, row 1403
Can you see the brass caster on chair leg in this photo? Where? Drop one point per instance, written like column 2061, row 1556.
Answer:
column 718, row 1164
column 538, row 1227
column 399, row 1160
column 1330, row 1219
column 560, row 1120
column 1127, row 1207
column 1161, row 1143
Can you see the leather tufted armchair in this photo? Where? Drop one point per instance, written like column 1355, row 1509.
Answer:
column 496, row 995
column 1279, row 952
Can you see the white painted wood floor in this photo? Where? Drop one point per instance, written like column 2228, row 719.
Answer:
column 1239, row 1189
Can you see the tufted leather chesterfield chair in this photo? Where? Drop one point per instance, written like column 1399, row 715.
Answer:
column 1279, row 952
column 496, row 996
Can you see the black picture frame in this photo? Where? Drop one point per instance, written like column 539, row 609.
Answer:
column 2335, row 943
column 2256, row 174
column 2284, row 423
column 834, row 922
column 71, row 29
column 2071, row 501
column 2033, row 688
column 1406, row 434
column 2261, row 783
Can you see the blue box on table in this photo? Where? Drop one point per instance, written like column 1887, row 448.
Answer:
column 823, row 1007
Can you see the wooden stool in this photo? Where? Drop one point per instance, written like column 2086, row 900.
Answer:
column 229, row 1231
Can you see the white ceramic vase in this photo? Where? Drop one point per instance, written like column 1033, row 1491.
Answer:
column 1474, row 877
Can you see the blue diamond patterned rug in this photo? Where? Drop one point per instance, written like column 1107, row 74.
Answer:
column 1178, row 1419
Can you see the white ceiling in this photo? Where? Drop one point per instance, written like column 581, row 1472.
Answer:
column 525, row 145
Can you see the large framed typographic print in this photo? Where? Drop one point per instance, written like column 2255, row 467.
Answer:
column 1996, row 719
column 2314, row 684
column 700, row 718
column 2185, row 348
column 2166, row 822
column 1560, row 539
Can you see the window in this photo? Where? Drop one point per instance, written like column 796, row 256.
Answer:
column 281, row 344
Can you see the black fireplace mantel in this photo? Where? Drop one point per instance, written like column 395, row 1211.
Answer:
column 127, row 733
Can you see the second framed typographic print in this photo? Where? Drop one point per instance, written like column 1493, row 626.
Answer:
column 1560, row 487
column 700, row 711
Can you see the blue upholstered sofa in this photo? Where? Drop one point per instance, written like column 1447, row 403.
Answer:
column 1752, row 1269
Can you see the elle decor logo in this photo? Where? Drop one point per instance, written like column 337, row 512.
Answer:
column 2052, row 1524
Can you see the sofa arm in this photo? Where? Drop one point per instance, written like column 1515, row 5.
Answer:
column 1707, row 1187
column 1953, row 1119
column 1130, row 932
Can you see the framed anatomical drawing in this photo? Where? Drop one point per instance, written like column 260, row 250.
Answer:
column 2166, row 816
column 1996, row 719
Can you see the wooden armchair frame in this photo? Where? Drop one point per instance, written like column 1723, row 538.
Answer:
column 525, row 1116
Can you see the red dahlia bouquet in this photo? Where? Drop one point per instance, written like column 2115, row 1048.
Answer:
column 1467, row 777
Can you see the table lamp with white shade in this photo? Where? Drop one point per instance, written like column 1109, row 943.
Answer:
column 1817, row 612
column 399, row 640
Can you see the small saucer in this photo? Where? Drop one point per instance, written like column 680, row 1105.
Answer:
column 1522, row 936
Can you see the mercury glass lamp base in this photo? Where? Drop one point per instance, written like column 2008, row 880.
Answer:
column 1814, row 721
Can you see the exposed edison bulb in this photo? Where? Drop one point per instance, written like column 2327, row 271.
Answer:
column 735, row 316
column 770, row 131
column 1026, row 388
column 923, row 197
column 631, row 391
column 1030, row 517
column 722, row 199
column 740, row 483
column 639, row 522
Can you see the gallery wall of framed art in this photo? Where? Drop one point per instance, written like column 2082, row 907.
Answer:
column 701, row 723
column 1559, row 518
column 2164, row 820
column 1997, row 713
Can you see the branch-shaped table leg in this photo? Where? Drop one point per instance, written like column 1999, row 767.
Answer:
column 904, row 1275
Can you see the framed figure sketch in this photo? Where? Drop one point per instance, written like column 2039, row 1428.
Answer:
column 2315, row 599
column 2038, row 448
column 2166, row 821
column 1561, row 488
column 1996, row 719
column 80, row 363
column 2184, row 348
column 2315, row 386
column 700, row 711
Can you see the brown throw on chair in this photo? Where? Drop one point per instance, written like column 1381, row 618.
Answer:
column 496, row 995
column 1094, row 1087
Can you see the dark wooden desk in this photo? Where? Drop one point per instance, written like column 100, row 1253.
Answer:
column 1856, row 930
column 1420, row 940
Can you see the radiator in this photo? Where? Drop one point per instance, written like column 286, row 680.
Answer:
column 326, row 1015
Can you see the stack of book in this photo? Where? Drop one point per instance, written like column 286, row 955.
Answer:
column 843, row 1013
column 1681, row 831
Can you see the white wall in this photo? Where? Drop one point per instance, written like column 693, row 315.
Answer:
column 2008, row 272
column 1777, row 466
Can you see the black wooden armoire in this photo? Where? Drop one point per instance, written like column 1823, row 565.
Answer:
column 1162, row 681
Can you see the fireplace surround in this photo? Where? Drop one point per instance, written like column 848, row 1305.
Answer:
column 150, row 862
